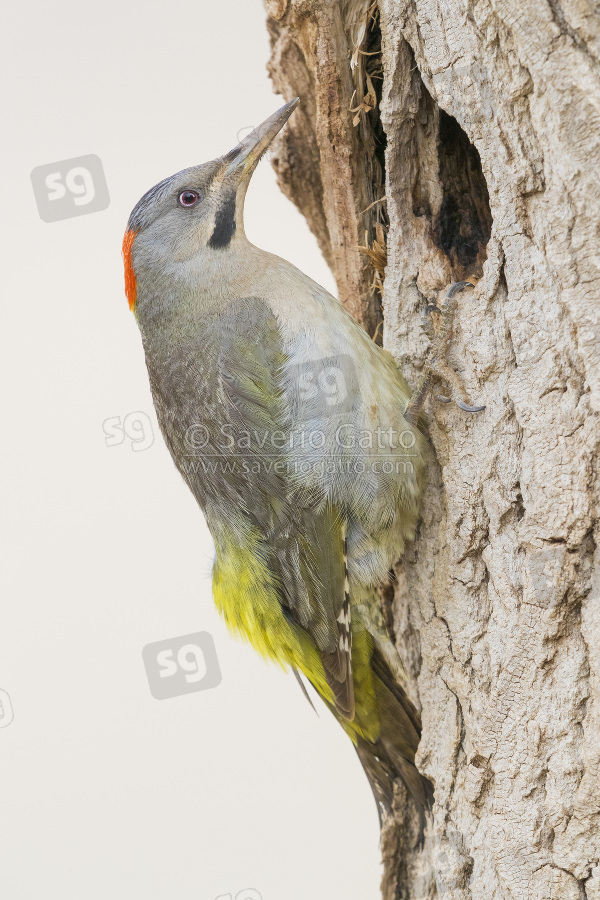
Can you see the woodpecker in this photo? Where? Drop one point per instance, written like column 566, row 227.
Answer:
column 295, row 434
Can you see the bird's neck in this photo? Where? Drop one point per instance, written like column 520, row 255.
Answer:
column 199, row 287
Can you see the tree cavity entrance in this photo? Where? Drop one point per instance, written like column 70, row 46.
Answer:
column 464, row 223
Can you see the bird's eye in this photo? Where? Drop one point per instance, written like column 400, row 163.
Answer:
column 188, row 198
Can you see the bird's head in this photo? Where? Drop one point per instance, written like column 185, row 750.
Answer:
column 198, row 209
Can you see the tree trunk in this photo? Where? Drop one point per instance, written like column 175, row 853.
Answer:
column 473, row 148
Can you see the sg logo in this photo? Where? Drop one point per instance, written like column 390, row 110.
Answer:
column 181, row 665
column 246, row 894
column 135, row 425
column 324, row 387
column 6, row 710
column 71, row 187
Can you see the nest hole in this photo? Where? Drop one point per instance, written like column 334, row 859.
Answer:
column 464, row 223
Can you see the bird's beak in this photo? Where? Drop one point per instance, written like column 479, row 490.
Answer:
column 243, row 159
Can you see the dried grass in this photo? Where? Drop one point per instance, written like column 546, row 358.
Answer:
column 377, row 253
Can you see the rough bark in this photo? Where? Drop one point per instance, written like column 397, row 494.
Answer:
column 484, row 136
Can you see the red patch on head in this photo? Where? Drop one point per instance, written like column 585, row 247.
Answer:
column 130, row 284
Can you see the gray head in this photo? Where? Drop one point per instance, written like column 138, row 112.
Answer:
column 198, row 208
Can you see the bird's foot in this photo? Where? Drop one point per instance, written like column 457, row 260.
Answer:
column 436, row 367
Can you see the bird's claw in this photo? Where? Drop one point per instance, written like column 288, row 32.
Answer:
column 464, row 406
column 467, row 408
column 436, row 367
column 426, row 323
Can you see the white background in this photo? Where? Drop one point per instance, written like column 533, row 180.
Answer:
column 106, row 793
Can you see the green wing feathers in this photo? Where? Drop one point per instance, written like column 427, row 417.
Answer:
column 302, row 546
column 281, row 573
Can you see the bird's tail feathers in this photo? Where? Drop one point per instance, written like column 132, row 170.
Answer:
column 392, row 755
